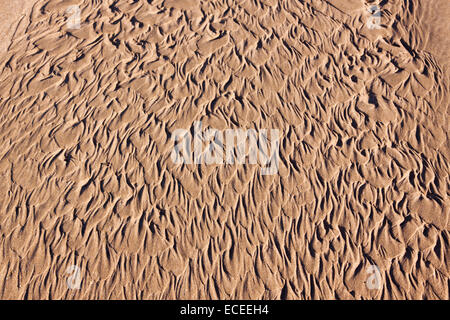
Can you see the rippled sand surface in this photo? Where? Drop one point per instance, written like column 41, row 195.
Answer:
column 89, row 192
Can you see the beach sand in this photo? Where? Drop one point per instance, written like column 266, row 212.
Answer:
column 93, row 207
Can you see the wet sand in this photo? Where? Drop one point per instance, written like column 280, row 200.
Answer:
column 93, row 207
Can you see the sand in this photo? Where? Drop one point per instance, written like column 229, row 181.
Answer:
column 93, row 207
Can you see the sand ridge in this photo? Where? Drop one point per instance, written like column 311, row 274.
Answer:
column 14, row 17
column 87, row 180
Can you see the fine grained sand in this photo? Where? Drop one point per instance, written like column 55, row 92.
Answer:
column 86, row 175
column 14, row 14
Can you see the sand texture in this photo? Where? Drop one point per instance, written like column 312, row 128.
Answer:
column 86, row 175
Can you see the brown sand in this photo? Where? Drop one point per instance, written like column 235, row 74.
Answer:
column 87, row 179
column 14, row 15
